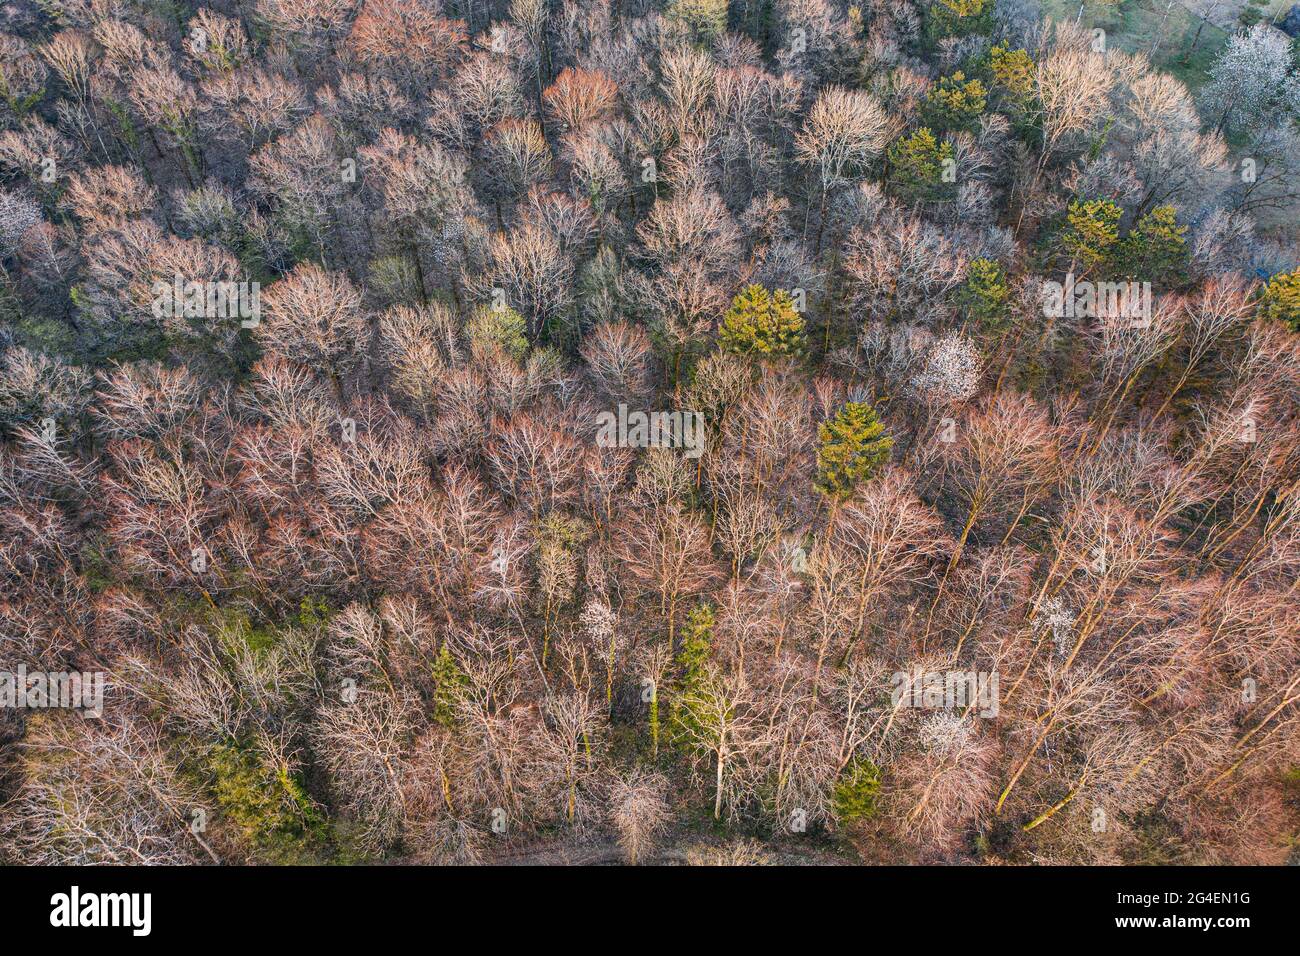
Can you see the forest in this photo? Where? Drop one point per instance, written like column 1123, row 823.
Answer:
column 673, row 432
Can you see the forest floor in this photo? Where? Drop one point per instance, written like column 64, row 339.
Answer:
column 1181, row 37
column 1166, row 30
column 681, row 850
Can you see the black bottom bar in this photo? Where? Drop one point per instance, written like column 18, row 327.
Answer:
column 337, row 905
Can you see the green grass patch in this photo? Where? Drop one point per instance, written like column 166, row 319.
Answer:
column 1167, row 34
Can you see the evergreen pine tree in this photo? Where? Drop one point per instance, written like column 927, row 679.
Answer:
column 959, row 18
column 1090, row 233
column 1154, row 250
column 448, row 681
column 762, row 322
column 855, row 793
column 1013, row 75
column 706, row 19
column 502, row 328
column 916, row 166
column 955, row 103
column 1280, row 300
column 692, row 658
column 983, row 296
column 852, row 448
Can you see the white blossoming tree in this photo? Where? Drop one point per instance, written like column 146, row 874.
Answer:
column 1252, row 79
column 952, row 369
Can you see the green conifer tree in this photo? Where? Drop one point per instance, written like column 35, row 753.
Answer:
column 692, row 658
column 959, row 18
column 1013, row 76
column 763, row 323
column 983, row 296
column 1154, row 250
column 916, row 167
column 1280, row 299
column 448, row 682
column 955, row 102
column 856, row 791
column 1090, row 233
column 852, row 448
